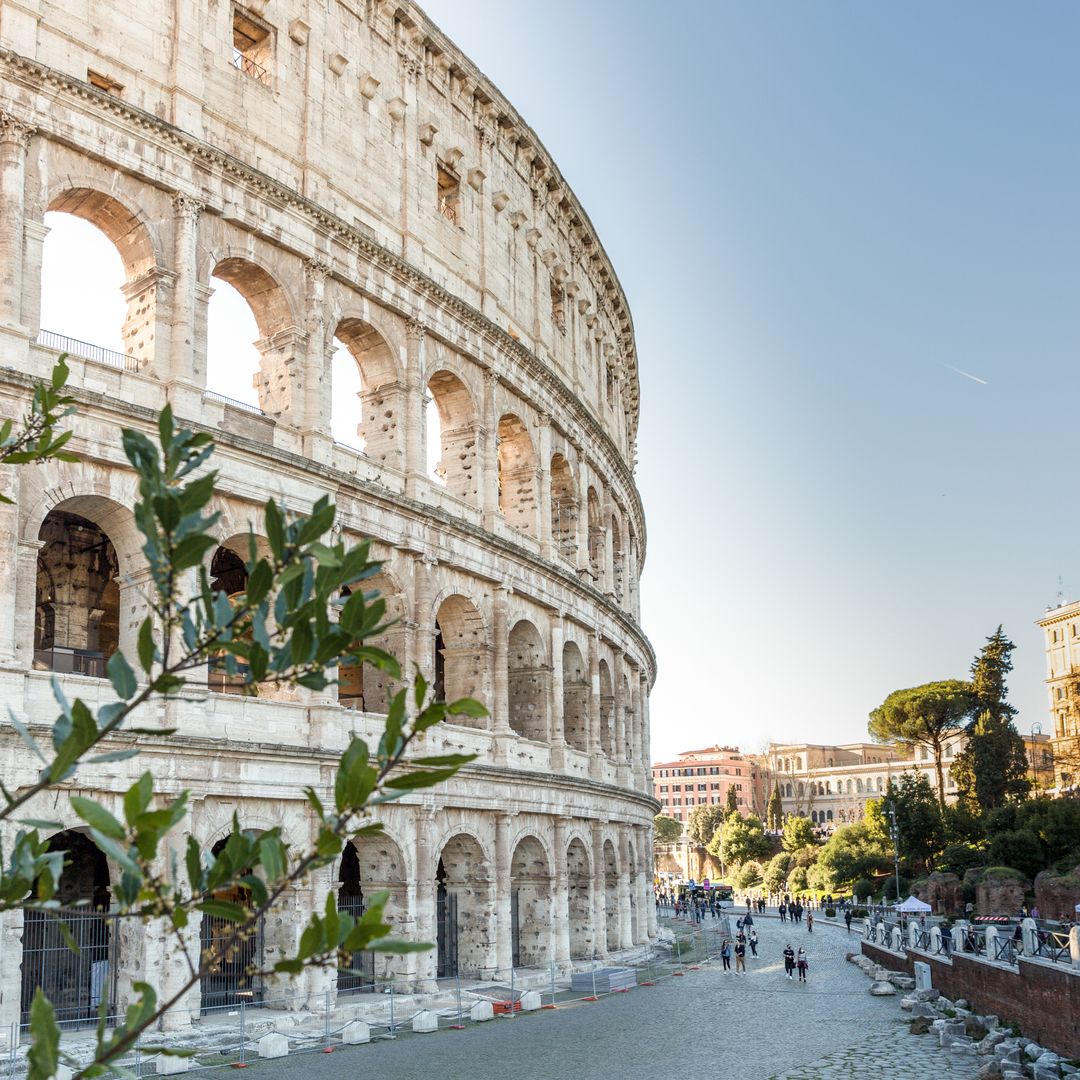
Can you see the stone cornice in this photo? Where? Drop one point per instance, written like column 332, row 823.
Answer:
column 376, row 494
column 279, row 194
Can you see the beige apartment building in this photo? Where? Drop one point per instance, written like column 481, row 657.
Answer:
column 1061, row 627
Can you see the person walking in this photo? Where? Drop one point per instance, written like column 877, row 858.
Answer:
column 809, row 922
column 740, row 957
column 747, row 922
column 802, row 964
column 847, row 919
column 725, row 954
column 789, row 960
column 782, row 909
column 753, row 943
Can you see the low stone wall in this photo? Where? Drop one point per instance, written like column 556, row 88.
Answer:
column 1042, row 998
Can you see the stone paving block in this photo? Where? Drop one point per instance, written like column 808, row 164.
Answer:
column 274, row 1045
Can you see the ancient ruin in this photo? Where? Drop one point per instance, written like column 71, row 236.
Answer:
column 370, row 195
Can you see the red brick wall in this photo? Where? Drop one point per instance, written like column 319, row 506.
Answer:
column 1043, row 1000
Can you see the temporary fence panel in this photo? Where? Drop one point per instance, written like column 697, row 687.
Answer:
column 231, row 978
column 359, row 971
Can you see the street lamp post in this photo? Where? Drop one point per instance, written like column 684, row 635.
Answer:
column 894, row 833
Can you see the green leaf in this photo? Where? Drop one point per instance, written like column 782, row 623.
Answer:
column 121, row 676
column 119, row 854
column 44, row 1054
column 97, row 817
column 137, row 797
column 223, row 909
column 146, row 648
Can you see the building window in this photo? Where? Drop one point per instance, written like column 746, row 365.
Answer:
column 663, row 787
column 701, row 787
column 449, row 194
column 714, row 787
column 1058, row 692
column 253, row 43
column 610, row 387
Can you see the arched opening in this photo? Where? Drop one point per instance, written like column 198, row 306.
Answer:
column 346, row 398
column 527, row 682
column 517, row 475
column 579, row 906
column 228, row 575
column 460, row 647
column 364, row 686
column 464, row 906
column 233, row 962
column 372, row 863
column 450, row 428
column 75, row 982
column 98, row 285
column 530, row 903
column 575, row 698
column 813, row 816
column 564, row 508
column 607, row 711
column 367, row 398
column 77, row 608
column 611, row 896
column 618, row 562
column 597, row 540
column 264, row 371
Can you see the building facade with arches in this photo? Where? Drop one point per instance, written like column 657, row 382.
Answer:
column 379, row 208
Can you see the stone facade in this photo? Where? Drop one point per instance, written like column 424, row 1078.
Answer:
column 352, row 175
column 1061, row 630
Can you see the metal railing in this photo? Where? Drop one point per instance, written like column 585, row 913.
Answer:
column 1053, row 945
column 71, row 661
column 1006, row 950
column 84, row 350
column 221, row 399
column 251, row 68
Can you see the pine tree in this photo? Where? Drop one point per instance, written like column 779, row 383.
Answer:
column 776, row 810
column 992, row 768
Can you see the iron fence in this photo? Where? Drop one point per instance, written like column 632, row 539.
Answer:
column 1053, row 945
column 221, row 399
column 84, row 350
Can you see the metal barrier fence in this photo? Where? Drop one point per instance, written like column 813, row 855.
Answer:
column 229, row 1035
column 84, row 350
column 1053, row 945
column 221, row 399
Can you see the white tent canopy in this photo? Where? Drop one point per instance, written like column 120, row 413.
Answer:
column 913, row 906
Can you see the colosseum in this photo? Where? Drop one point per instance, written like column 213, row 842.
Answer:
column 371, row 197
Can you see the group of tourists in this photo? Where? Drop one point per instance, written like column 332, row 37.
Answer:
column 794, row 910
column 795, row 961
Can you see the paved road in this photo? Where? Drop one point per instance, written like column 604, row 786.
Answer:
column 750, row 1027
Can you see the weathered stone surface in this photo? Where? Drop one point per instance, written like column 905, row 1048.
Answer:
column 356, row 1032
column 920, row 1025
column 1000, row 895
column 943, row 892
column 882, row 988
column 973, row 1029
column 990, row 1071
column 273, row 1045
column 923, row 1008
column 425, row 1021
column 481, row 1011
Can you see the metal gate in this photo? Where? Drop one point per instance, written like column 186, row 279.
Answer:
column 76, row 982
column 359, row 971
column 446, row 919
column 231, row 972
column 515, row 930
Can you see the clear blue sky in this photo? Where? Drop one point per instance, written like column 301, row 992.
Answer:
column 814, row 208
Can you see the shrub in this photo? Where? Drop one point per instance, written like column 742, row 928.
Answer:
column 830, row 913
column 957, row 858
column 1020, row 849
column 890, row 888
column 859, row 912
column 864, row 887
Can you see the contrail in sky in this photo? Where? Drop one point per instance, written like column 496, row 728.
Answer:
column 968, row 375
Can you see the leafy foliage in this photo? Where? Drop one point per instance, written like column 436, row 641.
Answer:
column 666, row 830
column 924, row 716
column 776, row 872
column 852, row 853
column 775, row 813
column 739, row 839
column 798, row 833
column 732, row 802
column 281, row 630
column 748, row 875
column 703, row 822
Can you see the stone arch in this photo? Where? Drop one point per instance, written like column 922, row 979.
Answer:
column 134, row 243
column 528, row 678
column 74, row 981
column 611, row 896
column 86, row 605
column 607, row 710
column 597, row 540
column 517, row 474
column 364, row 686
column 460, row 650
column 530, row 903
column 451, row 429
column 279, row 379
column 369, row 864
column 464, row 894
column 579, row 899
column 564, row 508
column 576, row 690
column 381, row 405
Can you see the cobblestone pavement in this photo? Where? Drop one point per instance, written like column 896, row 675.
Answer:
column 755, row 1026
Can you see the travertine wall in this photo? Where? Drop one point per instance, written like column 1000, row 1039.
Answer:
column 309, row 178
